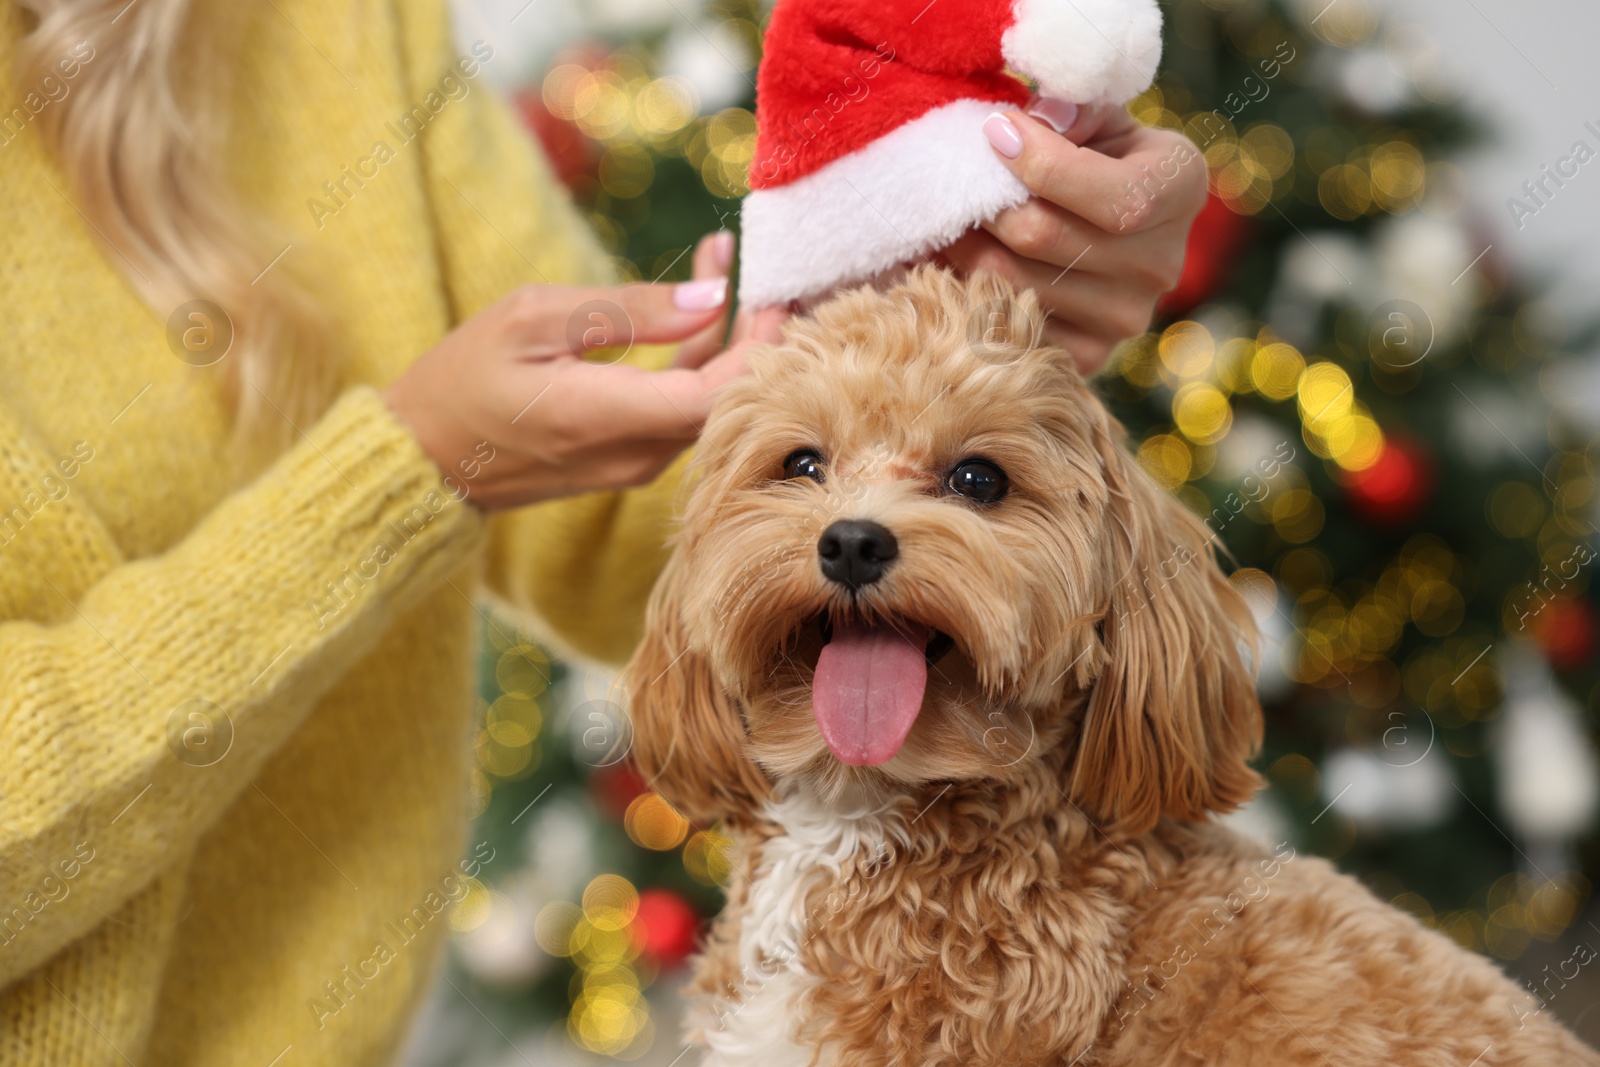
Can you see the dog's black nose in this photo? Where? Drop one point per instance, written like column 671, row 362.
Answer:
column 855, row 553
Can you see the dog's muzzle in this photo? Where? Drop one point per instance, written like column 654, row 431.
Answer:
column 856, row 552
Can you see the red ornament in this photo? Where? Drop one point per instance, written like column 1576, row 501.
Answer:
column 571, row 153
column 1566, row 632
column 1218, row 235
column 665, row 926
column 614, row 787
column 1393, row 490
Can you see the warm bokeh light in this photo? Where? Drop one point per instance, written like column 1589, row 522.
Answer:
column 654, row 824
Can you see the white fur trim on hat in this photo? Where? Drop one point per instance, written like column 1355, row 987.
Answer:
column 912, row 191
column 1086, row 51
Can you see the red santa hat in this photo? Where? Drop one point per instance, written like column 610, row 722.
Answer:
column 869, row 140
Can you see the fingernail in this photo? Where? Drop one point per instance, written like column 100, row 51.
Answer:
column 722, row 249
column 701, row 295
column 1003, row 135
column 1058, row 114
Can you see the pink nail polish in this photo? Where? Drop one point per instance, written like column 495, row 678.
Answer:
column 1002, row 134
column 1058, row 114
column 701, row 295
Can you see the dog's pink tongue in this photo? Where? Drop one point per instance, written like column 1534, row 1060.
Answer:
column 868, row 690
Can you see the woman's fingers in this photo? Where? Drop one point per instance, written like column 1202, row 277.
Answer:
column 1090, row 310
column 1041, row 231
column 755, row 325
column 1089, row 353
column 1038, row 229
column 1146, row 261
column 1081, row 125
column 604, row 404
column 513, row 374
column 713, row 257
column 1091, row 304
column 1156, row 181
column 761, row 326
column 558, row 319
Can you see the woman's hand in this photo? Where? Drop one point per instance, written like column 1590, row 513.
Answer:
column 507, row 406
column 1104, row 235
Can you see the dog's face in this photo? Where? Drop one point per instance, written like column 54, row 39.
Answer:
column 917, row 553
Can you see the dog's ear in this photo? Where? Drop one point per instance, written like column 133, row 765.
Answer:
column 688, row 737
column 1173, row 717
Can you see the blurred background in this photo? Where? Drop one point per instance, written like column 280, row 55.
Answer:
column 1388, row 297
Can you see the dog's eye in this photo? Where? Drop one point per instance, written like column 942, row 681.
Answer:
column 978, row 480
column 803, row 463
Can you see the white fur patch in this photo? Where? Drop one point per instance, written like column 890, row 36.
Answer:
column 910, row 192
column 761, row 1028
column 1086, row 51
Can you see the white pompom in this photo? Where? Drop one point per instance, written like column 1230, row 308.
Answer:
column 1086, row 51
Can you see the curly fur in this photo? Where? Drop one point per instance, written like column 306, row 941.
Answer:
column 1034, row 878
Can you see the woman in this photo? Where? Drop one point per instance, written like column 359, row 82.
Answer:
column 238, row 579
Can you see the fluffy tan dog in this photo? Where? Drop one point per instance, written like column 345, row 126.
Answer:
column 918, row 651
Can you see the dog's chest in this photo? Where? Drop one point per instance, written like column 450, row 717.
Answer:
column 797, row 887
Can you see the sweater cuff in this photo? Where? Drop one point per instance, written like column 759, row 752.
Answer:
column 364, row 476
column 361, row 475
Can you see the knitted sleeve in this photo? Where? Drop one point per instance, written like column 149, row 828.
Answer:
column 116, row 675
column 584, row 565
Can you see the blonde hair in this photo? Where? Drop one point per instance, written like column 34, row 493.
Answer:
column 136, row 147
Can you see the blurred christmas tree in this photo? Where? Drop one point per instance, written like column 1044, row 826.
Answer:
column 1346, row 384
column 1420, row 566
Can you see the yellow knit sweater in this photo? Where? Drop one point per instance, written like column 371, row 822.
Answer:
column 158, row 912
